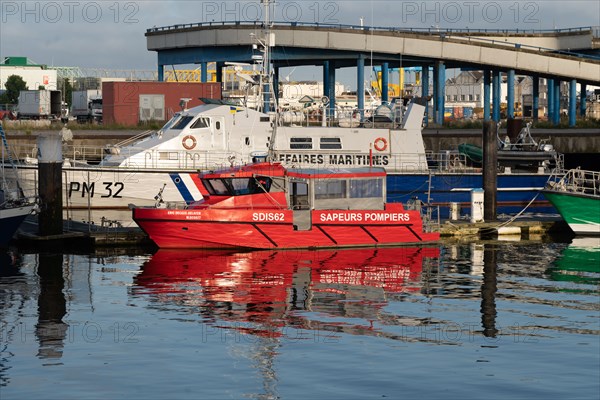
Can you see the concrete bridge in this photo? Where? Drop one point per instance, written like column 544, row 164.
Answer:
column 571, row 55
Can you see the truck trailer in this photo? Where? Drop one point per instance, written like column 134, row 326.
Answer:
column 87, row 106
column 39, row 104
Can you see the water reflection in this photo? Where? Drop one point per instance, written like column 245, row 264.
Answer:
column 51, row 330
column 579, row 262
column 488, row 292
column 262, row 293
column 256, row 307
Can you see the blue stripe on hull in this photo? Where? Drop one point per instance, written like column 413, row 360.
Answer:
column 183, row 190
column 456, row 188
column 9, row 227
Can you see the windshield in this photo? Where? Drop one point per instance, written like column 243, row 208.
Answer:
column 170, row 122
column 182, row 122
column 237, row 186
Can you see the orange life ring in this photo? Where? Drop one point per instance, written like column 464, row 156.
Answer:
column 185, row 143
column 380, row 144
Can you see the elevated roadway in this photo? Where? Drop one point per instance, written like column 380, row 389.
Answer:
column 549, row 54
column 560, row 55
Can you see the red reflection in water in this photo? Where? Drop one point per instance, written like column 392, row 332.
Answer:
column 268, row 287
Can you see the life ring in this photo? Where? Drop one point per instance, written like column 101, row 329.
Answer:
column 380, row 144
column 185, row 143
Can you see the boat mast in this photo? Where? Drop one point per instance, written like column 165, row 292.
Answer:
column 266, row 78
column 10, row 160
column 269, row 91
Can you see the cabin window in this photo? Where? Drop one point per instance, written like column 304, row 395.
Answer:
column 301, row 143
column 238, row 186
column 247, row 141
column 330, row 189
column 216, row 187
column 218, row 125
column 168, row 155
column 331, row 143
column 183, row 122
column 202, row 122
column 170, row 122
column 362, row 188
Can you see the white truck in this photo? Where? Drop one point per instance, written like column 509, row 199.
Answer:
column 39, row 104
column 87, row 106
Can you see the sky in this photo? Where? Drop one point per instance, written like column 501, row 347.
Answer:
column 110, row 34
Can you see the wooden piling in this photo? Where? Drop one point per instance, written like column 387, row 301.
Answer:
column 490, row 170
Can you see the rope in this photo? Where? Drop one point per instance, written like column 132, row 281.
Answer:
column 456, row 227
column 520, row 212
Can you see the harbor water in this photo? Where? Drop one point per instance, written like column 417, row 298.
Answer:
column 495, row 319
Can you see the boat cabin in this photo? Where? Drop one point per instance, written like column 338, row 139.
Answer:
column 296, row 188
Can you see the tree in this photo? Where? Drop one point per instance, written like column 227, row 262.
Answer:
column 67, row 90
column 14, row 84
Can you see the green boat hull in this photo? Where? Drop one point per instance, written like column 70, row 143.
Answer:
column 580, row 211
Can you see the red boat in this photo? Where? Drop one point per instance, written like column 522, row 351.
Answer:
column 264, row 206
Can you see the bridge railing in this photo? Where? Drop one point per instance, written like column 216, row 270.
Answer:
column 525, row 46
column 432, row 30
column 461, row 34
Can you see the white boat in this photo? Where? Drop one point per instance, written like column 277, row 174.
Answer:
column 217, row 135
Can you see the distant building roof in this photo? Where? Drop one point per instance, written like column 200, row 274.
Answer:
column 20, row 62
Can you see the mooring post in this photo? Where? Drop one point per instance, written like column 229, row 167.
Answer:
column 490, row 170
column 50, row 183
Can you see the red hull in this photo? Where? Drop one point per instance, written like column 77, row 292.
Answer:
column 272, row 229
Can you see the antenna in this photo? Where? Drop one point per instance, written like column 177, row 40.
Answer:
column 183, row 103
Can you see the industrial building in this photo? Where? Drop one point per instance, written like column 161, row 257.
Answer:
column 34, row 75
column 129, row 103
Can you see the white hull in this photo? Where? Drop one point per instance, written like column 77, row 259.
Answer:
column 586, row 228
column 89, row 194
column 6, row 213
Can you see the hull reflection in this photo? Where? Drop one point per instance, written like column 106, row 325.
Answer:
column 579, row 262
column 276, row 289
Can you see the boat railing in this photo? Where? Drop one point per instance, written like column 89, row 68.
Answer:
column 26, row 153
column 449, row 161
column 132, row 139
column 181, row 205
column 577, row 181
column 430, row 214
column 344, row 117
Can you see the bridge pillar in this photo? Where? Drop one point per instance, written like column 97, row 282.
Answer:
column 331, row 93
column 572, row 102
column 219, row 72
column 203, row 71
column 497, row 94
column 435, row 93
column 486, row 94
column 535, row 98
column 550, row 99
column 556, row 101
column 440, row 81
column 360, row 84
column 425, row 90
column 385, row 74
column 510, row 101
column 582, row 100
column 276, row 84
column 326, row 78
column 161, row 73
